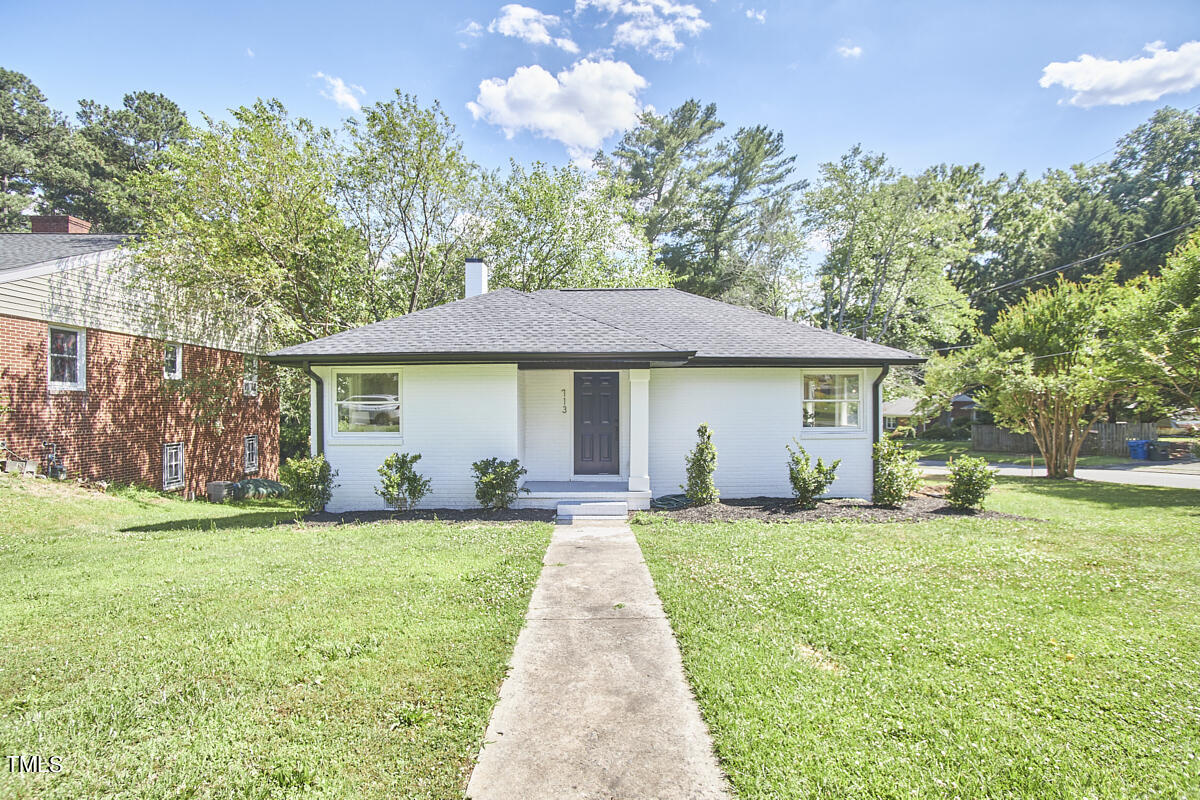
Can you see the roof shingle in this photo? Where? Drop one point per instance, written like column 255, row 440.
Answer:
column 652, row 324
column 26, row 249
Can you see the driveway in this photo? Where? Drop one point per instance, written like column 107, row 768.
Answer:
column 1176, row 475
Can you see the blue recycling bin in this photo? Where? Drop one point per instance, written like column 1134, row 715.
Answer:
column 1139, row 449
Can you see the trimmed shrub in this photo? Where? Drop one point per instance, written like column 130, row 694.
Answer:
column 701, row 464
column 896, row 474
column 309, row 481
column 809, row 481
column 970, row 481
column 1195, row 449
column 400, row 485
column 497, row 482
column 945, row 433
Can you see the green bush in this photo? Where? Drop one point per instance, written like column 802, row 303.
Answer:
column 970, row 481
column 701, row 464
column 309, row 481
column 1195, row 448
column 400, row 485
column 945, row 433
column 896, row 474
column 808, row 481
column 497, row 482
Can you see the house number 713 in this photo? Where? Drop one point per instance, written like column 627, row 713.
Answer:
column 564, row 391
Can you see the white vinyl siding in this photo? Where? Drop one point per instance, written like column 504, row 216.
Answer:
column 452, row 415
column 66, row 359
column 173, row 475
column 754, row 413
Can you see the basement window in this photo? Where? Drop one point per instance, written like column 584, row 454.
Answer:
column 833, row 400
column 67, row 359
column 173, row 362
column 173, row 465
column 250, row 454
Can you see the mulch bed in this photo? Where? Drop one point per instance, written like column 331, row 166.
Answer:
column 439, row 514
column 924, row 506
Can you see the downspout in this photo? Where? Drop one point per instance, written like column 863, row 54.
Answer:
column 876, row 418
column 319, row 405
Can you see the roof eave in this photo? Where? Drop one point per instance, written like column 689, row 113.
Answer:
column 334, row 359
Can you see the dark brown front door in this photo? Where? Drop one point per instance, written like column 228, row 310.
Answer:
column 597, row 404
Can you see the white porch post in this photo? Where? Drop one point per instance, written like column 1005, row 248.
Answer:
column 639, row 430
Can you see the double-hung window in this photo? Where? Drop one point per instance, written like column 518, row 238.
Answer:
column 173, row 465
column 367, row 401
column 67, row 359
column 833, row 400
column 250, row 376
column 173, row 362
column 250, row 454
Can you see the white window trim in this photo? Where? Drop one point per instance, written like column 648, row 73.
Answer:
column 177, row 373
column 250, row 367
column 80, row 384
column 246, row 466
column 864, row 404
column 169, row 485
column 335, row 436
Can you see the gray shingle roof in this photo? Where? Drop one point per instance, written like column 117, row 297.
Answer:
column 650, row 324
column 25, row 249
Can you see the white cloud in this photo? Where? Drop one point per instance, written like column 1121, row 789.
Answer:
column 757, row 16
column 340, row 92
column 849, row 51
column 249, row 53
column 652, row 26
column 1101, row 81
column 530, row 25
column 579, row 107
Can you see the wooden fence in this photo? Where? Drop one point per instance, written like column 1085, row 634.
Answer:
column 1105, row 438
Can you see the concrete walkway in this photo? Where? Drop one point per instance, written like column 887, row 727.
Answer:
column 1152, row 475
column 596, row 705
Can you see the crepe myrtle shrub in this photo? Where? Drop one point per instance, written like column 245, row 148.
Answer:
column 309, row 481
column 498, row 482
column 701, row 464
column 809, row 481
column 970, row 481
column 896, row 474
column 400, row 485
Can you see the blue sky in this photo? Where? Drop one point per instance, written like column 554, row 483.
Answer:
column 923, row 82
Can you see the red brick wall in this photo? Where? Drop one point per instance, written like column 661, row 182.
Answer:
column 116, row 427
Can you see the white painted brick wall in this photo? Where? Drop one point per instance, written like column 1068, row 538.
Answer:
column 452, row 416
column 547, row 433
column 754, row 413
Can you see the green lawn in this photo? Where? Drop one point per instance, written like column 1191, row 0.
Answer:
column 946, row 450
column 170, row 649
column 962, row 657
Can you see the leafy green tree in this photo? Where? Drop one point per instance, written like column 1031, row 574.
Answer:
column 1048, row 367
column 34, row 146
column 891, row 239
column 109, row 147
column 551, row 227
column 1159, row 334
column 417, row 202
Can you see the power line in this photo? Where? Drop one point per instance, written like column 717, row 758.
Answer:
column 1063, row 268
column 1118, row 144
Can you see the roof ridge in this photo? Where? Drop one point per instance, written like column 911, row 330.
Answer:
column 641, row 336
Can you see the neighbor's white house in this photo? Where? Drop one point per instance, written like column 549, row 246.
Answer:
column 598, row 392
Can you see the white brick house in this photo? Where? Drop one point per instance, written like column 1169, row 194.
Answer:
column 598, row 393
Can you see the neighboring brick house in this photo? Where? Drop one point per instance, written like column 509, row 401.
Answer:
column 125, row 385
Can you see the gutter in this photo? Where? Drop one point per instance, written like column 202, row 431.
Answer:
column 319, row 404
column 876, row 418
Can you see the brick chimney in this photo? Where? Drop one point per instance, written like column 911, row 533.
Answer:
column 60, row 223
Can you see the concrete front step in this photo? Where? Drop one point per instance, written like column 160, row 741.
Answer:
column 595, row 509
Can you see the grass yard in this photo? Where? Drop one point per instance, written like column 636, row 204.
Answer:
column 962, row 657
column 170, row 649
column 943, row 451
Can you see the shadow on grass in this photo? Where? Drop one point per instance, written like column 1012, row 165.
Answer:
column 1115, row 496
column 253, row 518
